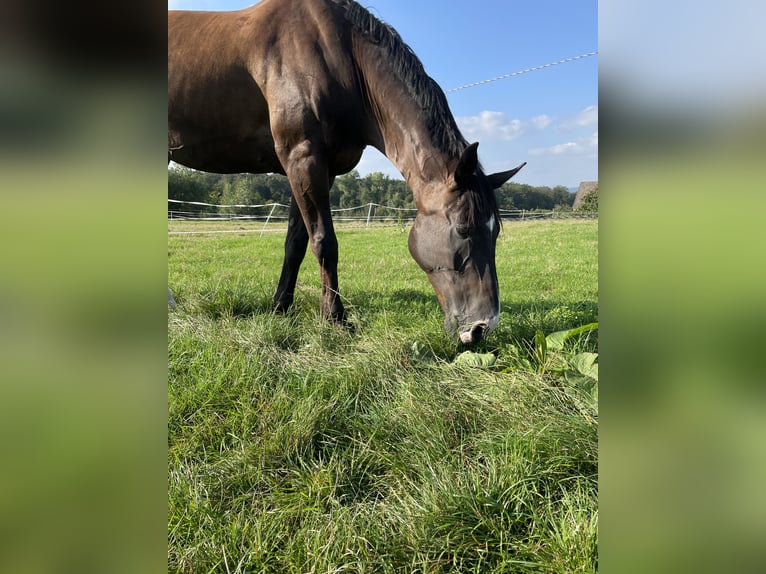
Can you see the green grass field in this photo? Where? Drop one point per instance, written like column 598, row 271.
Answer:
column 295, row 446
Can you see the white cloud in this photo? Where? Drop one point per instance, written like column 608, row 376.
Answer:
column 489, row 126
column 586, row 118
column 583, row 146
column 555, row 157
column 558, row 149
column 498, row 126
column 541, row 122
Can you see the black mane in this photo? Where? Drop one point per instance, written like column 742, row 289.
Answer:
column 427, row 94
column 409, row 69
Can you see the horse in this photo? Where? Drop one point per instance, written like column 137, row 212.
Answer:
column 300, row 88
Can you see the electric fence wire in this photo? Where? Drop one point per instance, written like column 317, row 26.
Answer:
column 534, row 69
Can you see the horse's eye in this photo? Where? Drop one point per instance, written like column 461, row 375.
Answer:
column 462, row 229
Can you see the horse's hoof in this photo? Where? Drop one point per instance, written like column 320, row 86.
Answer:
column 282, row 306
column 339, row 318
column 349, row 326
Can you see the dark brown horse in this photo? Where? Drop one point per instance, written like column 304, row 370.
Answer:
column 300, row 87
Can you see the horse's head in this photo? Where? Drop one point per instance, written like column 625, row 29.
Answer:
column 453, row 241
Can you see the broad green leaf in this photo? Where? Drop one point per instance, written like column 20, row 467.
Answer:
column 585, row 363
column 471, row 359
column 556, row 340
column 584, row 386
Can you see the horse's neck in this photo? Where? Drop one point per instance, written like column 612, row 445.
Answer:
column 409, row 147
column 404, row 136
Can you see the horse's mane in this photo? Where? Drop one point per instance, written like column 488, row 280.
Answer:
column 408, row 68
column 425, row 91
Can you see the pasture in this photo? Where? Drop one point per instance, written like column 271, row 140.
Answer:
column 296, row 446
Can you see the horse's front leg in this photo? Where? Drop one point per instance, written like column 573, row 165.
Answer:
column 324, row 244
column 310, row 181
column 296, row 241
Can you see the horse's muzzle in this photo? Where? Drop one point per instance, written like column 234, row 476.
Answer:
column 474, row 333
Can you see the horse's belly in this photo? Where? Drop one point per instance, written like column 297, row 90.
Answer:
column 252, row 153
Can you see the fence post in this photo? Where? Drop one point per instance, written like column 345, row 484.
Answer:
column 268, row 218
column 369, row 212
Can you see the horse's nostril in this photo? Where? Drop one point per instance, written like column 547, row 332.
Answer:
column 473, row 334
column 478, row 331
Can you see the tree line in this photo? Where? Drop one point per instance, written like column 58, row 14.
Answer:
column 349, row 190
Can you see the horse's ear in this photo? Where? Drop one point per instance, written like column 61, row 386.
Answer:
column 466, row 165
column 498, row 179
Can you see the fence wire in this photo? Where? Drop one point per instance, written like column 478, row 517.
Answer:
column 274, row 216
column 526, row 71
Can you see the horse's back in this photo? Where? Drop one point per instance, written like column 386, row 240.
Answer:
column 280, row 70
column 218, row 116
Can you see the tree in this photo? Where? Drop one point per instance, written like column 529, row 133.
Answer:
column 345, row 192
column 349, row 190
column 562, row 197
column 589, row 202
column 186, row 184
column 513, row 196
column 275, row 188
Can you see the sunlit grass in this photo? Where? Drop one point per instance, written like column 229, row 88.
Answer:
column 295, row 446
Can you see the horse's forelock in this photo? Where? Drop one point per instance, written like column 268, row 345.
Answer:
column 480, row 200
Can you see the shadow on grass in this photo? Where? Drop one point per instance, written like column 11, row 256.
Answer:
column 519, row 321
column 407, row 306
column 526, row 318
column 225, row 302
column 547, row 316
column 402, row 300
column 232, row 301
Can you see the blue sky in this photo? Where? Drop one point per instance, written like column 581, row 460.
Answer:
column 548, row 118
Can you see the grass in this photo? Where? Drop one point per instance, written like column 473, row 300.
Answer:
column 295, row 446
